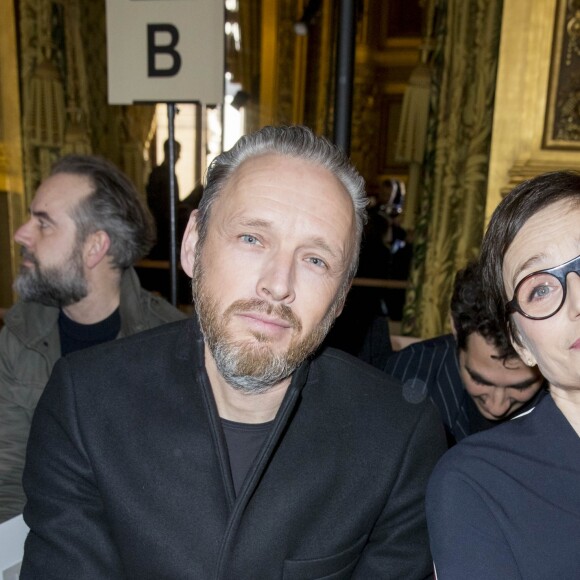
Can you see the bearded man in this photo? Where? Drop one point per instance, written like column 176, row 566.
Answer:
column 228, row 446
column 77, row 288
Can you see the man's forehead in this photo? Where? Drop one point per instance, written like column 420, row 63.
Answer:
column 270, row 165
column 67, row 181
column 481, row 353
column 483, row 360
column 61, row 191
column 286, row 178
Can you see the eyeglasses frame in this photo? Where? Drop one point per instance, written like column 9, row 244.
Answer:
column 560, row 273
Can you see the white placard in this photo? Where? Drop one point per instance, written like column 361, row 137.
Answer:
column 12, row 536
column 165, row 51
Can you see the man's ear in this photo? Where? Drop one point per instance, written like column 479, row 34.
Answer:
column 519, row 346
column 453, row 329
column 340, row 308
column 95, row 248
column 189, row 244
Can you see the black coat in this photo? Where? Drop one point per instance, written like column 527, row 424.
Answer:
column 127, row 472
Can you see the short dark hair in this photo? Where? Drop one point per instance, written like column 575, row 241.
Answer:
column 471, row 313
column 166, row 143
column 113, row 206
column 293, row 141
column 523, row 202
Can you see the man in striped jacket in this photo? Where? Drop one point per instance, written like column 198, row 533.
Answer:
column 474, row 376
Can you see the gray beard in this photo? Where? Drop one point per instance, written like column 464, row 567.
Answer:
column 55, row 286
column 251, row 366
column 269, row 369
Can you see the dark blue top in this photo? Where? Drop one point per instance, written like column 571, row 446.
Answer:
column 505, row 503
column 75, row 336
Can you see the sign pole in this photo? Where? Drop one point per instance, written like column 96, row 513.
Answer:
column 172, row 204
column 166, row 52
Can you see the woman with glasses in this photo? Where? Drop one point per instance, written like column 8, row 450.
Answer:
column 505, row 503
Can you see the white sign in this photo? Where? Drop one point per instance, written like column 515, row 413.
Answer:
column 168, row 51
column 12, row 536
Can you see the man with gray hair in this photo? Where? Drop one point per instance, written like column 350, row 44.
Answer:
column 77, row 288
column 229, row 445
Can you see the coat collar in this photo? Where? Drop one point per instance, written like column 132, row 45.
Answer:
column 32, row 322
column 195, row 341
column 193, row 347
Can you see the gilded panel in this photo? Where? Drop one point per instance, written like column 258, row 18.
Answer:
column 562, row 128
column 64, row 91
column 11, row 186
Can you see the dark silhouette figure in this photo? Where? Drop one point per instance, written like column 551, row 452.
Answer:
column 158, row 200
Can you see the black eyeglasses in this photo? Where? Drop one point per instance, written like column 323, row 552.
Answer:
column 541, row 294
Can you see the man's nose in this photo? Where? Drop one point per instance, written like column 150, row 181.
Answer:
column 23, row 235
column 276, row 281
column 498, row 403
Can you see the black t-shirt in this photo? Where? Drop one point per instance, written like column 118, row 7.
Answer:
column 244, row 440
column 75, row 336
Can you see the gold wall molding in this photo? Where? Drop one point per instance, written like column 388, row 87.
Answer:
column 283, row 58
column 393, row 55
column 12, row 204
column 291, row 78
column 526, row 53
column 269, row 62
column 291, row 62
column 326, row 56
column 563, row 116
column 300, row 56
column 523, row 170
column 63, row 64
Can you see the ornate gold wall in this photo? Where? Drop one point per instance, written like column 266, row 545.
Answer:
column 64, row 91
column 387, row 51
column 519, row 148
column 54, row 102
column 11, row 184
column 296, row 78
column 290, row 79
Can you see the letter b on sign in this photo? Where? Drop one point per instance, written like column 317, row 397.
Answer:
column 161, row 41
column 165, row 51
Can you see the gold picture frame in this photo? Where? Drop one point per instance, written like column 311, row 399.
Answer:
column 562, row 125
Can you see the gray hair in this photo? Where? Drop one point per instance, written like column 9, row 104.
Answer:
column 114, row 206
column 295, row 141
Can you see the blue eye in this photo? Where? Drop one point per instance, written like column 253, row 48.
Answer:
column 543, row 290
column 317, row 262
column 540, row 288
column 540, row 292
column 249, row 239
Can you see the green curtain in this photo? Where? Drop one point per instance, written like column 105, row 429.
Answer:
column 63, row 66
column 452, row 201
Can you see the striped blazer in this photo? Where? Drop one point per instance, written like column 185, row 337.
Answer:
column 430, row 368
